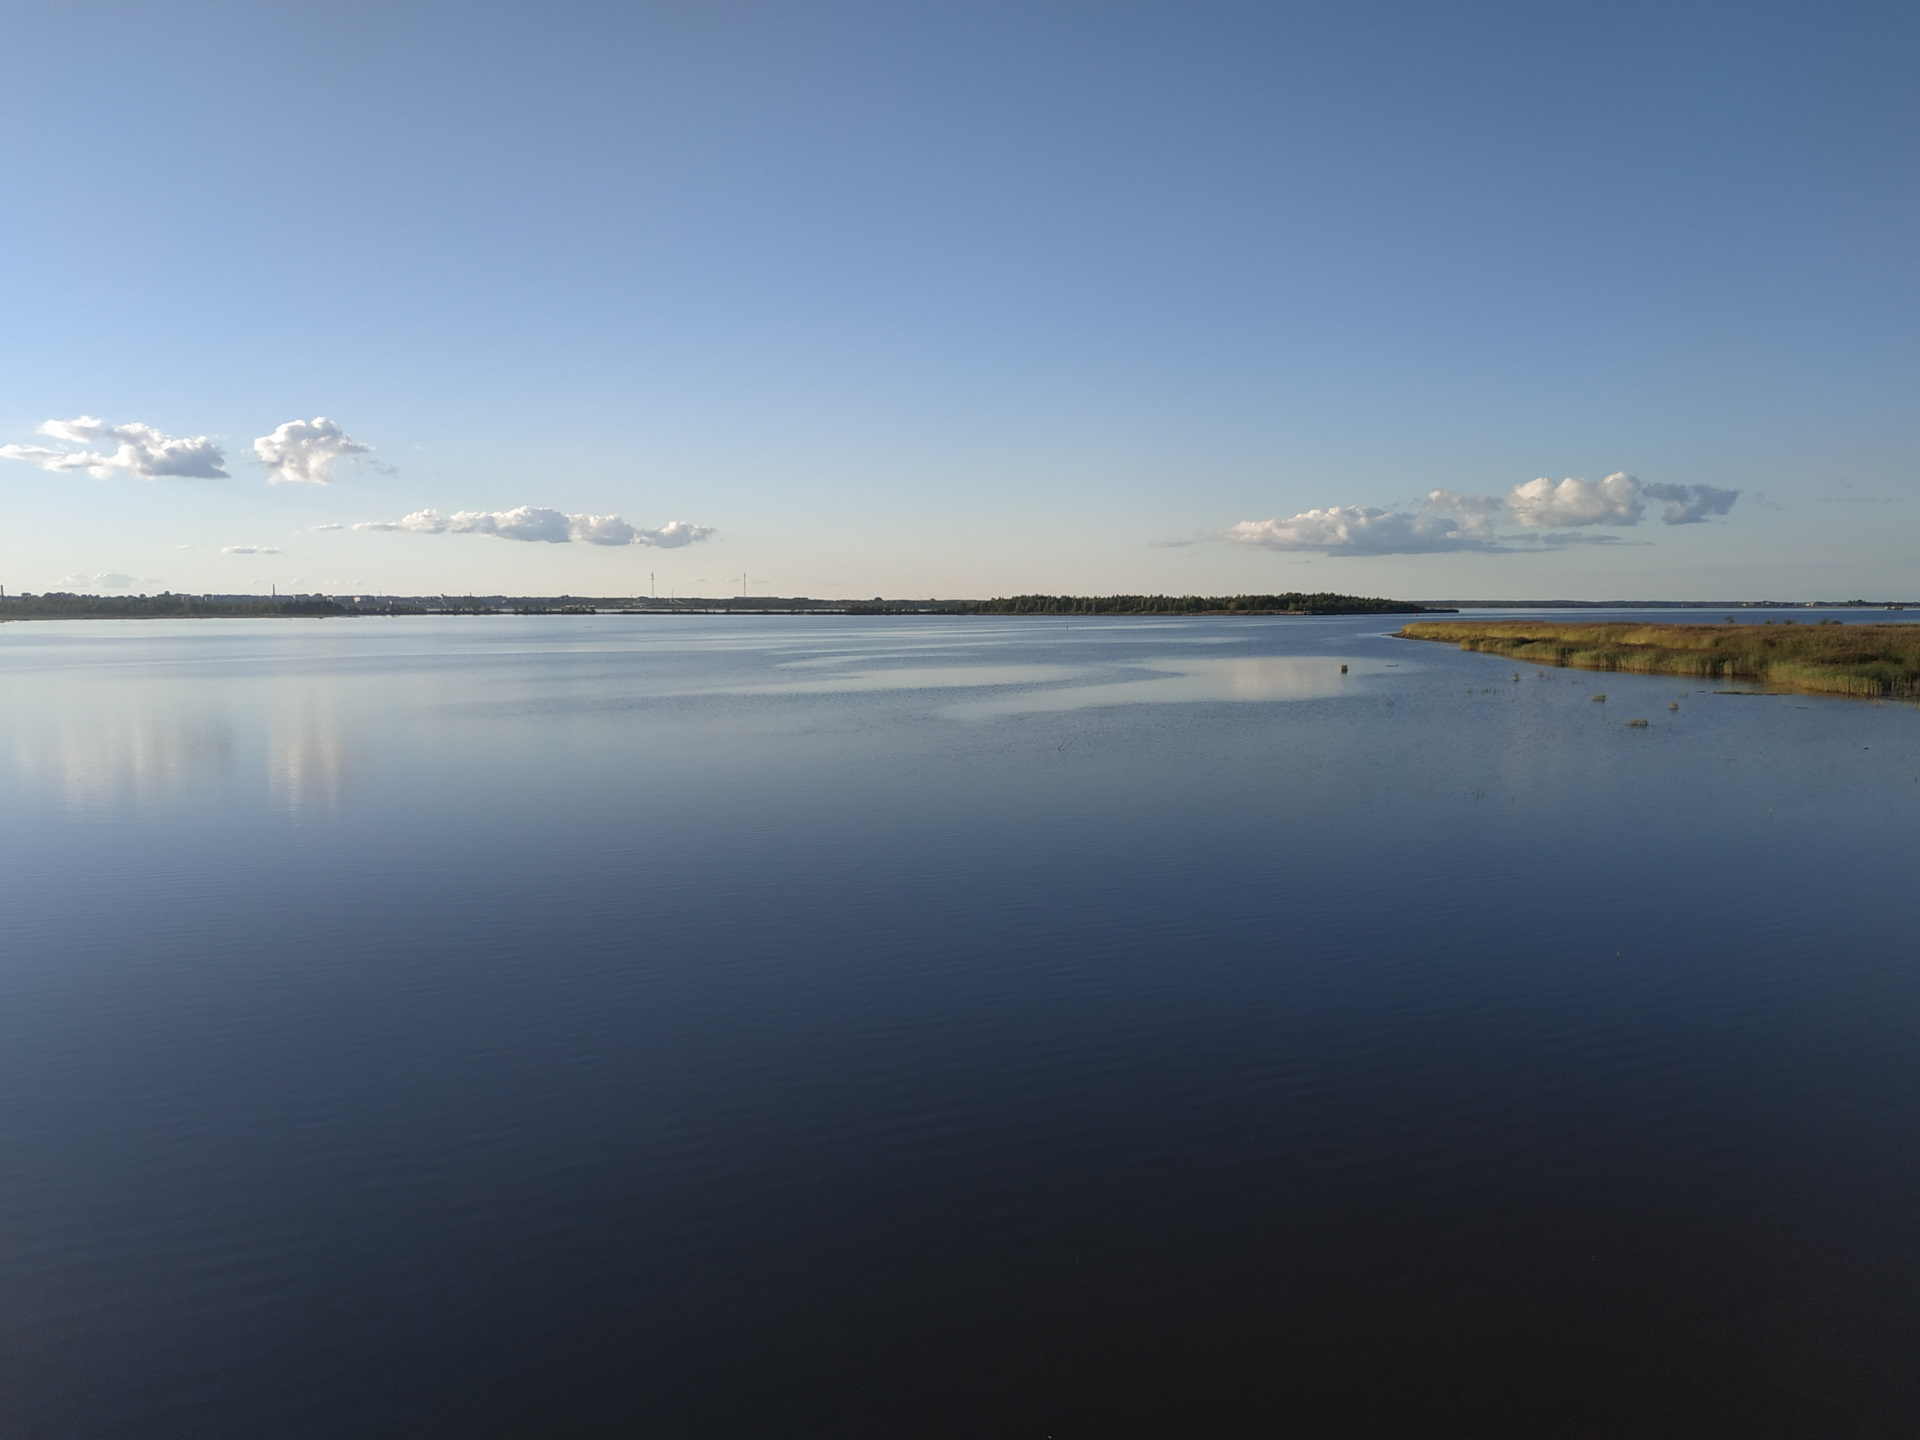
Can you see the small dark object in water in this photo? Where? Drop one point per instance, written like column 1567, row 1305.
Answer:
column 1599, row 699
column 1636, row 724
column 1343, row 669
column 1673, row 704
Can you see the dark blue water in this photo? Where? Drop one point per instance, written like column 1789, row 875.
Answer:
column 808, row 1027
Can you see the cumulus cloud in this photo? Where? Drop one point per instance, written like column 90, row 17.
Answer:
column 1690, row 504
column 249, row 550
column 424, row 522
column 537, row 523
column 1450, row 520
column 1620, row 499
column 1473, row 515
column 112, row 580
column 1359, row 530
column 1542, row 504
column 138, row 450
column 673, row 535
column 304, row 450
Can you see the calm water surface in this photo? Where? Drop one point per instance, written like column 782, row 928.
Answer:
column 860, row 1027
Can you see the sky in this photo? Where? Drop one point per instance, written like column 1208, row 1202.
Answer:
column 843, row 300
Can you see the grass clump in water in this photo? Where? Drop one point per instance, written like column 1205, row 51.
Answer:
column 1864, row 660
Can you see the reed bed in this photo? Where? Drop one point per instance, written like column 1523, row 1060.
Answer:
column 1872, row 661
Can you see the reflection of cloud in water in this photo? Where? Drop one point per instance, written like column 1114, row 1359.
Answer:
column 306, row 764
column 123, row 742
column 100, row 757
column 1187, row 680
column 1033, row 688
column 937, row 677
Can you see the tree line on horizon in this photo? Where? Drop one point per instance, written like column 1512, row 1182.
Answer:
column 60, row 605
column 1294, row 602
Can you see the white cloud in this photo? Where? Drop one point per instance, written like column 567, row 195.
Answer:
column 1450, row 521
column 248, row 550
column 673, row 535
column 1620, row 499
column 139, row 450
column 1360, row 530
column 112, row 580
column 1541, row 504
column 1474, row 515
column 304, row 450
column 424, row 522
column 1691, row 504
column 537, row 523
column 331, row 525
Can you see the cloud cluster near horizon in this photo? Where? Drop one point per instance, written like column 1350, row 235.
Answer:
column 1450, row 521
column 138, row 450
column 537, row 523
column 1360, row 530
column 303, row 451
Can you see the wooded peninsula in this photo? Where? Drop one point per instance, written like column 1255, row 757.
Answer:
column 1826, row 658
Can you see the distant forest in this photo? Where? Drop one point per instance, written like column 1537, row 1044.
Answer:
column 61, row 606
column 1292, row 603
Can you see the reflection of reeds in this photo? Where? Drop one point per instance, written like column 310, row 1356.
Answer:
column 1636, row 723
column 1600, row 699
column 1865, row 660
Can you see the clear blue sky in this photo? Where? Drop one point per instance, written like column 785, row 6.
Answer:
column 965, row 299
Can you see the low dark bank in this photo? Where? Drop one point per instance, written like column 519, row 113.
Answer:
column 65, row 606
column 1291, row 603
column 61, row 606
column 1827, row 658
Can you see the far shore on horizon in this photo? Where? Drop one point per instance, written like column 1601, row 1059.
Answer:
column 169, row 605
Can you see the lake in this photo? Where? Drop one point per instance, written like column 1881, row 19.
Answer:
column 934, row 1026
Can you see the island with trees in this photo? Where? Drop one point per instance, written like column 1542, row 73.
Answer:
column 1824, row 658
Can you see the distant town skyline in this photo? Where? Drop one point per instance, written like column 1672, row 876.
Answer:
column 968, row 301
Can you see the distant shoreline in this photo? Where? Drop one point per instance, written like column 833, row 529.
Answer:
column 167, row 606
column 1826, row 658
column 171, row 606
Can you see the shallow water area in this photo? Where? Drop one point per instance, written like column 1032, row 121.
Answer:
column 723, row 1026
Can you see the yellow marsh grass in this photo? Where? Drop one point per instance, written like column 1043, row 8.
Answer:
column 1866, row 660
